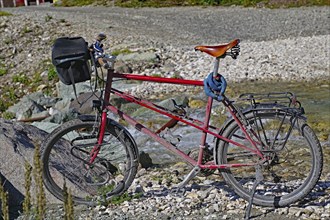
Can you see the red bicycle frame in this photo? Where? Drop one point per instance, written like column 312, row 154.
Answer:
column 203, row 126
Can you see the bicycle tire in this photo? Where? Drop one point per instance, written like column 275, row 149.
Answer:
column 65, row 157
column 291, row 173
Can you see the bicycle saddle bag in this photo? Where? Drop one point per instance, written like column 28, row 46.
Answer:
column 71, row 58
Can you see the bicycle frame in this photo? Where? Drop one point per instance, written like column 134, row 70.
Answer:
column 203, row 126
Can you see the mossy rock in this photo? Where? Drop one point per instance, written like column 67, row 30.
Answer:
column 197, row 103
column 323, row 136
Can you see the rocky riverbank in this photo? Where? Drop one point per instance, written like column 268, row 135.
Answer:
column 205, row 198
column 276, row 51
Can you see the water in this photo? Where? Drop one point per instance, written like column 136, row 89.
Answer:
column 314, row 96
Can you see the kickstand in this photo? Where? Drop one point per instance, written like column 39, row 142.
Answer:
column 192, row 174
column 259, row 178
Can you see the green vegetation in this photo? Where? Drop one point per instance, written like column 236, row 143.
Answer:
column 102, row 191
column 39, row 191
column 39, row 210
column 28, row 180
column 176, row 76
column 156, row 75
column 121, row 51
column 68, row 3
column 52, row 74
column 36, row 78
column 26, row 29
column 8, row 97
column 4, row 13
column 68, row 204
column 4, row 202
column 3, row 71
column 21, row 78
column 48, row 17
column 164, row 3
column 9, row 94
column 8, row 41
column 8, row 115
column 117, row 199
column 168, row 3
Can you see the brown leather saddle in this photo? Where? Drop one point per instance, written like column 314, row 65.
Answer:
column 219, row 50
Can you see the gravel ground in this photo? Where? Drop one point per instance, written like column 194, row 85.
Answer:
column 193, row 25
column 282, row 44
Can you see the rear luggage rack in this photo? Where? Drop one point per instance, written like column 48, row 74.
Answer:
column 287, row 99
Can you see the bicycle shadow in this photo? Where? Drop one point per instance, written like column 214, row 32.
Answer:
column 312, row 199
column 319, row 190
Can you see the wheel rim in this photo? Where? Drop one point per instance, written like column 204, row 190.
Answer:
column 68, row 162
column 285, row 174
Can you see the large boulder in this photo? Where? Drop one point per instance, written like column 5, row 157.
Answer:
column 17, row 144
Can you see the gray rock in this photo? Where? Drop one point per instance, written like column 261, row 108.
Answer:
column 17, row 143
column 122, row 67
column 84, row 103
column 62, row 105
column 60, row 117
column 45, row 126
column 145, row 160
column 145, row 56
column 27, row 106
column 67, row 92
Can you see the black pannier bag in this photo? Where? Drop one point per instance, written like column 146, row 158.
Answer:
column 71, row 57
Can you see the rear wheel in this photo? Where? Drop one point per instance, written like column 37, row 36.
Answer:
column 293, row 167
column 66, row 156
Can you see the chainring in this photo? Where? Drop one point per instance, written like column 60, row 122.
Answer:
column 207, row 156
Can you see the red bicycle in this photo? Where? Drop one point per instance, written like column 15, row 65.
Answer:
column 265, row 150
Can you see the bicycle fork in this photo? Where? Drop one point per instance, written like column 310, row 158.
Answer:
column 103, row 123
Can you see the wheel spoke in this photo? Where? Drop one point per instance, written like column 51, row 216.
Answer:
column 67, row 154
column 291, row 159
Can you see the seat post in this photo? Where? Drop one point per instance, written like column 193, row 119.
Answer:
column 216, row 66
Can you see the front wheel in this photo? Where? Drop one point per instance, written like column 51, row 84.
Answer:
column 66, row 156
column 294, row 156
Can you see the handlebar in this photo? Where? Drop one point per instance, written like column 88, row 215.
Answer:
column 104, row 60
